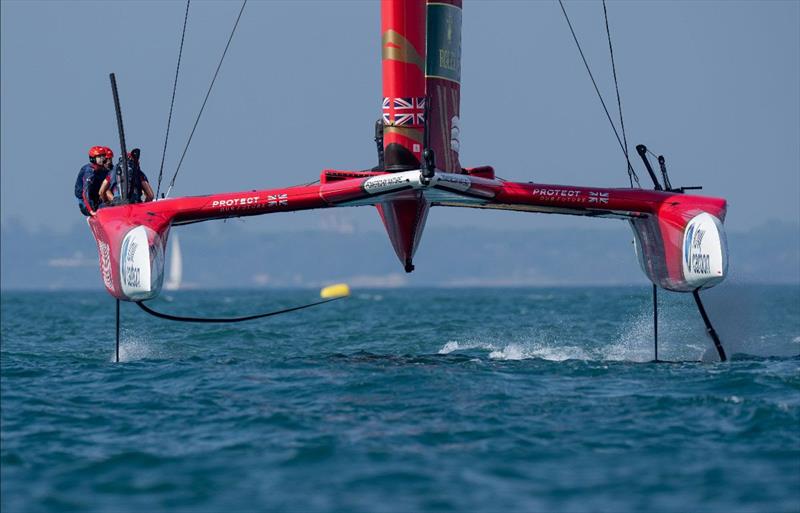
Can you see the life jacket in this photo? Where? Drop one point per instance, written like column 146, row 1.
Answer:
column 88, row 183
column 79, row 180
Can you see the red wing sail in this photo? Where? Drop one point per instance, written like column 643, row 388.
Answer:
column 443, row 82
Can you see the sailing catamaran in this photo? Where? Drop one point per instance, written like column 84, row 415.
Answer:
column 679, row 238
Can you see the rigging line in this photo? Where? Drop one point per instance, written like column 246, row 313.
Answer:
column 172, row 102
column 170, row 317
column 586, row 64
column 631, row 172
column 208, row 93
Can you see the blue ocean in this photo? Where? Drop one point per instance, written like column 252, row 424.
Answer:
column 395, row 400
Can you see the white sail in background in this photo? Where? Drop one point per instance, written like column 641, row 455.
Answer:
column 175, row 266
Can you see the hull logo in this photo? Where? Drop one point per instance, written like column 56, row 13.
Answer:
column 135, row 264
column 704, row 251
column 228, row 205
column 384, row 183
column 598, row 197
column 105, row 264
column 278, row 200
column 561, row 195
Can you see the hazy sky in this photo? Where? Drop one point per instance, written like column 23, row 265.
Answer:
column 712, row 85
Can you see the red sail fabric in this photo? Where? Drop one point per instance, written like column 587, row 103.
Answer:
column 443, row 81
column 403, row 106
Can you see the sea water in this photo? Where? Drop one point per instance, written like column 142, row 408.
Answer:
column 403, row 400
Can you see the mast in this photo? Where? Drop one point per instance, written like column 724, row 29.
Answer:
column 403, row 54
column 123, row 172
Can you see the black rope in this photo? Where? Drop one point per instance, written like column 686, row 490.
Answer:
column 210, row 87
column 631, row 172
column 229, row 319
column 597, row 89
column 172, row 102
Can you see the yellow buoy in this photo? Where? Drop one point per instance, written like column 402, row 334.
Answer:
column 338, row 290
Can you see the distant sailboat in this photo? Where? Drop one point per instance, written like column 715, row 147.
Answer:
column 175, row 265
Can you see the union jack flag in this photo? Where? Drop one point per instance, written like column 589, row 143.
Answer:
column 598, row 197
column 277, row 200
column 404, row 111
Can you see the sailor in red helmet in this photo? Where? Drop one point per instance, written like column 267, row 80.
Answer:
column 89, row 180
column 109, row 159
column 137, row 182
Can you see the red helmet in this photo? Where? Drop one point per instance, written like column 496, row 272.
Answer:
column 97, row 151
column 109, row 153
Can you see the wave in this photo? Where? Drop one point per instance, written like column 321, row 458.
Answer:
column 134, row 346
column 520, row 351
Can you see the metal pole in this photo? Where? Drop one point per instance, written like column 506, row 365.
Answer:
column 709, row 328
column 117, row 352
column 642, row 150
column 663, row 165
column 124, row 175
column 655, row 321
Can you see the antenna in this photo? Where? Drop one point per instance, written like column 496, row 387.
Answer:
column 122, row 175
column 663, row 165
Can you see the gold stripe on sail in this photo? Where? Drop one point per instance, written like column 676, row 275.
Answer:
column 397, row 48
column 414, row 134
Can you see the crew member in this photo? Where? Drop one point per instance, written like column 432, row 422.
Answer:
column 110, row 168
column 90, row 179
column 137, row 182
column 109, row 159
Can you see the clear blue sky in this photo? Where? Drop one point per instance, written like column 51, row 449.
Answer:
column 715, row 86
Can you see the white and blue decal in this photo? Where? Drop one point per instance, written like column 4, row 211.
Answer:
column 141, row 264
column 705, row 259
